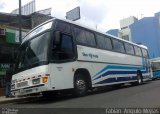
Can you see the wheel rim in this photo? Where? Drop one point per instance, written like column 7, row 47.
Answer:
column 81, row 84
column 139, row 80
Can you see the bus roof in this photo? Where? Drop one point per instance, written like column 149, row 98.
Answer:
column 84, row 26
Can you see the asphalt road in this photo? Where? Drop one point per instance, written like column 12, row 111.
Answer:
column 141, row 96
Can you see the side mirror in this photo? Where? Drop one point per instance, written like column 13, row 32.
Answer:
column 57, row 38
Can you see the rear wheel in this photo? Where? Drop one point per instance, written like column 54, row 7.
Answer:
column 139, row 78
column 80, row 85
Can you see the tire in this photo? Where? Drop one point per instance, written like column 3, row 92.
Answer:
column 80, row 85
column 139, row 78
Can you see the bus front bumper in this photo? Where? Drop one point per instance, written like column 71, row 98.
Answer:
column 29, row 90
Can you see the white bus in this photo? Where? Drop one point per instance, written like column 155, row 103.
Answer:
column 63, row 55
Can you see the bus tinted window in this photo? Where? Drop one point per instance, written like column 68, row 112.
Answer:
column 84, row 37
column 118, row 46
column 90, row 38
column 129, row 48
column 63, row 27
column 104, row 42
column 64, row 51
column 144, row 52
column 80, row 36
column 138, row 51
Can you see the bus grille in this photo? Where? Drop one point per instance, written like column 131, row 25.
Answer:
column 22, row 84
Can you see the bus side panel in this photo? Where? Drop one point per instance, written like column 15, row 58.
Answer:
column 62, row 75
column 108, row 67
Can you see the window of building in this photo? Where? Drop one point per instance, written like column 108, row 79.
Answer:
column 137, row 51
column 2, row 31
column 118, row 46
column 104, row 42
column 129, row 48
column 84, row 37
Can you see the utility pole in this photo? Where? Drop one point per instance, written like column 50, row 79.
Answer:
column 20, row 23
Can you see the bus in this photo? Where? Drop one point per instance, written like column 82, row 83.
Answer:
column 64, row 55
column 155, row 64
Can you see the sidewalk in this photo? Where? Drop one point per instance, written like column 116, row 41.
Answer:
column 4, row 100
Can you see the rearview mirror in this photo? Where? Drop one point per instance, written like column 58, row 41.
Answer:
column 57, row 38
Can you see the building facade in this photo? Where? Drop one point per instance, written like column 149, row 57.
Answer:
column 9, row 39
column 145, row 31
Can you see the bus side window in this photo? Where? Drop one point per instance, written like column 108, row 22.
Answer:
column 84, row 37
column 145, row 53
column 63, row 27
column 100, row 42
column 104, row 42
column 118, row 46
column 65, row 50
column 138, row 51
column 129, row 48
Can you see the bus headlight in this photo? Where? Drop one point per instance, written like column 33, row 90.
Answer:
column 44, row 79
column 36, row 81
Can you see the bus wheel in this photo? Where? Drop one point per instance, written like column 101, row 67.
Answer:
column 139, row 78
column 80, row 85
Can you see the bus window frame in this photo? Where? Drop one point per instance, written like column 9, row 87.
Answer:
column 126, row 49
column 140, row 51
column 65, row 33
column 87, row 30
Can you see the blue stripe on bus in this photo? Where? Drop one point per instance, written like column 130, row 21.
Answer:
column 115, row 73
column 108, row 71
column 119, row 79
column 119, row 67
column 118, row 72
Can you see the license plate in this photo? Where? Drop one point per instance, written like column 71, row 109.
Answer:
column 28, row 90
column 21, row 90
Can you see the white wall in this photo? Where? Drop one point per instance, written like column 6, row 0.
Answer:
column 127, row 21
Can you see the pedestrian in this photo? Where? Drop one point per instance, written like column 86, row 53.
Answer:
column 8, row 79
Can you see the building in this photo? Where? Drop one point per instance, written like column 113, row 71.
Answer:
column 145, row 31
column 125, row 32
column 114, row 32
column 9, row 38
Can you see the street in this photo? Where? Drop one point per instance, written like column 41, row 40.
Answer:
column 142, row 96
column 97, row 102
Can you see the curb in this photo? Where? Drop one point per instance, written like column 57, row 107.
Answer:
column 14, row 100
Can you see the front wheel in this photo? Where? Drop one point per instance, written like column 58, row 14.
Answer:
column 80, row 85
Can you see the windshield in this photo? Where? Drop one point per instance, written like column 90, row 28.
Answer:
column 34, row 51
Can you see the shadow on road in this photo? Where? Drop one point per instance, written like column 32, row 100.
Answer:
column 68, row 96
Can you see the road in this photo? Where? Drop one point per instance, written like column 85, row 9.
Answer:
column 141, row 96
